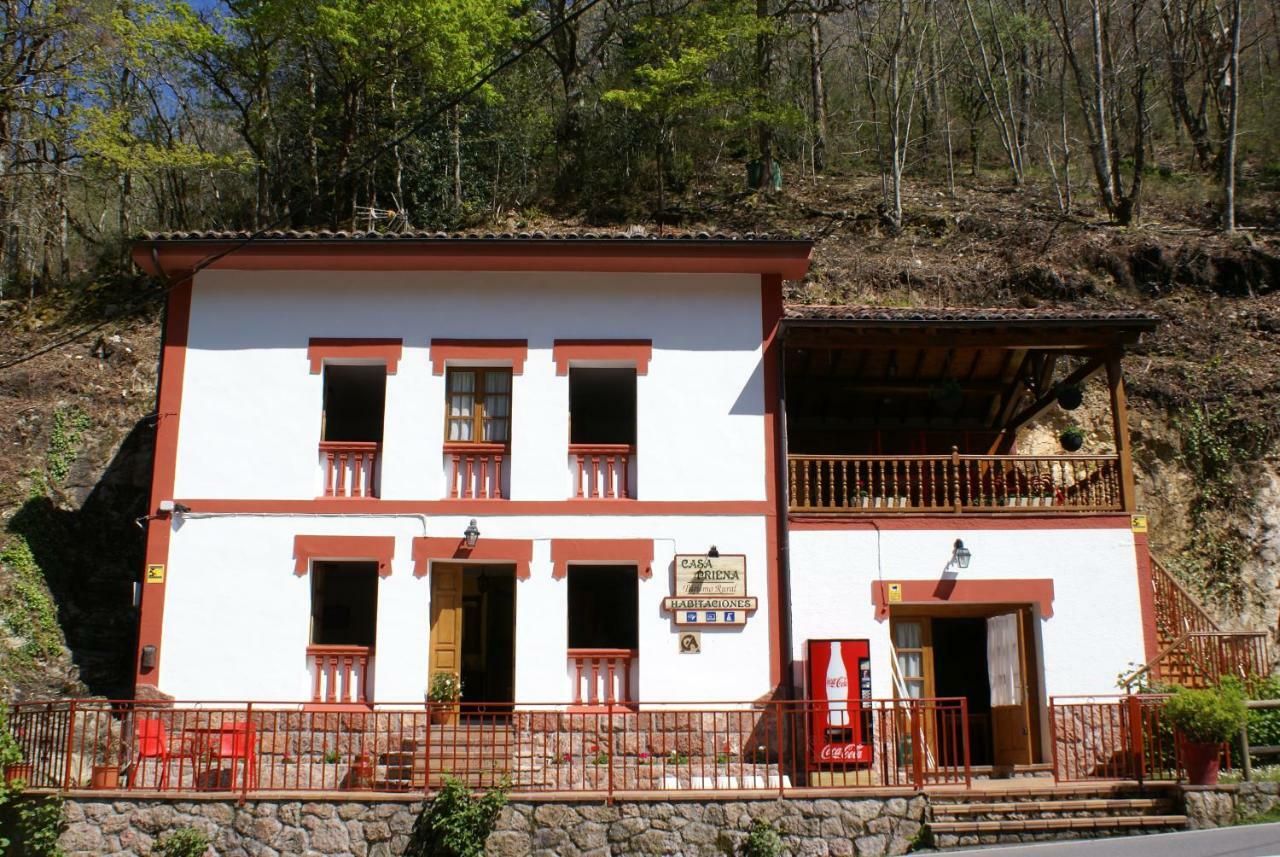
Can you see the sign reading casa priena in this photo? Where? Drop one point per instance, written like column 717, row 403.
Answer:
column 710, row 590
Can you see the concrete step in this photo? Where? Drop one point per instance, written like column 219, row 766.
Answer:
column 1090, row 806
column 1045, row 825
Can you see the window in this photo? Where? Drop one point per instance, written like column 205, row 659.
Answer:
column 602, row 406
column 344, row 603
column 603, row 607
column 478, row 408
column 354, row 400
column 912, row 647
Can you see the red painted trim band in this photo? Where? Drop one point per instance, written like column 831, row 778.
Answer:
column 376, row 548
column 386, row 350
column 963, row 522
column 636, row 351
column 637, row 551
column 480, row 507
column 1015, row 590
column 513, row 351
column 1146, row 597
column 426, row 550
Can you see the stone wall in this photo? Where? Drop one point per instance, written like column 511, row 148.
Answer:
column 265, row 828
column 1225, row 805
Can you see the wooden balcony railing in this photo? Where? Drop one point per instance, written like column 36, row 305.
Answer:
column 879, row 484
column 339, row 673
column 1177, row 612
column 602, row 470
column 350, row 468
column 602, row 676
column 474, row 470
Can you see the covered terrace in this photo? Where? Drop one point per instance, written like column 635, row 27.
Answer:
column 905, row 410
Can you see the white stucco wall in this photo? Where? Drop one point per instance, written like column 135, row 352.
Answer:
column 236, row 618
column 1095, row 632
column 251, row 409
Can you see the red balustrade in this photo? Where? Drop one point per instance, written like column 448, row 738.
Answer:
column 339, row 673
column 602, row 676
column 475, row 470
column 602, row 470
column 349, row 468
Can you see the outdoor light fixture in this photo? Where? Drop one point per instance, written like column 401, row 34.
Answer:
column 960, row 555
column 471, row 534
column 713, row 553
column 148, row 657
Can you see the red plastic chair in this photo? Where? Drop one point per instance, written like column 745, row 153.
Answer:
column 151, row 741
column 237, row 742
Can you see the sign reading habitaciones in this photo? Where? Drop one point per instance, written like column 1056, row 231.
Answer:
column 710, row 590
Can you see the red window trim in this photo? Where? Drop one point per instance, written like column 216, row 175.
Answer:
column 513, row 351
column 320, row 349
column 379, row 549
column 585, row 551
column 1006, row 591
column 426, row 549
column 637, row 351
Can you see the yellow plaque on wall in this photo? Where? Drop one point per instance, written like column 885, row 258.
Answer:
column 155, row 574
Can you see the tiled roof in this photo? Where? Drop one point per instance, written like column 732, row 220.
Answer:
column 944, row 315
column 425, row 235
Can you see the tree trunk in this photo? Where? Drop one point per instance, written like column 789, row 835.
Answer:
column 1233, row 111
column 817, row 94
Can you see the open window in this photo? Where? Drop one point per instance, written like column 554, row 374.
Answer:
column 604, row 633
column 344, row 622
column 602, row 431
column 351, row 433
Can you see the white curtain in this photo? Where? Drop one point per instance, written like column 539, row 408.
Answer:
column 1004, row 662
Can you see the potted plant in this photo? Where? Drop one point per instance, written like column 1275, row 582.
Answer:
column 1072, row 438
column 443, row 696
column 1070, row 397
column 1204, row 719
column 861, row 500
column 18, row 772
column 106, row 766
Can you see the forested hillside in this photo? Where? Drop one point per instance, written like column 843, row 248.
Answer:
column 963, row 152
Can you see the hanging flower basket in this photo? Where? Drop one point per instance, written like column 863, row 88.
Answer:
column 1070, row 398
column 1071, row 439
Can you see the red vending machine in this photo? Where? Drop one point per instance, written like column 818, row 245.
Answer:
column 839, row 681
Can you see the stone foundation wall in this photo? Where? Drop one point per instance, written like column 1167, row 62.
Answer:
column 1225, row 805
column 265, row 828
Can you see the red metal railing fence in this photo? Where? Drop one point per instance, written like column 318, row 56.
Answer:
column 258, row 747
column 1113, row 738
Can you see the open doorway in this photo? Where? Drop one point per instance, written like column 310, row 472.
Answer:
column 473, row 610
column 985, row 654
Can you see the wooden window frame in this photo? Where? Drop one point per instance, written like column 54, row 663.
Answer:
column 477, row 407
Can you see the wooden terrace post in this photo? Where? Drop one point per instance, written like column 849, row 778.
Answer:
column 1120, row 429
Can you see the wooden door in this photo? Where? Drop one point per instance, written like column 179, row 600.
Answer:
column 1007, row 667
column 446, row 619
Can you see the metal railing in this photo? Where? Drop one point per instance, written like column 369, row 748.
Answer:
column 1113, row 738
column 883, row 484
column 767, row 748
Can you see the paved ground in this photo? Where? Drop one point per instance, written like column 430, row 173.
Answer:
column 1258, row 840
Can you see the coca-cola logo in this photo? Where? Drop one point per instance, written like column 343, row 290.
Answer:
column 844, row 753
column 838, row 682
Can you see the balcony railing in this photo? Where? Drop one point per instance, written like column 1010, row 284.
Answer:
column 349, row 468
column 339, row 674
column 474, row 470
column 877, row 484
column 601, row 470
column 602, row 676
column 765, row 749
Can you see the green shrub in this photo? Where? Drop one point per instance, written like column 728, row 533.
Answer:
column 456, row 823
column 183, row 842
column 762, row 841
column 1207, row 716
column 445, row 687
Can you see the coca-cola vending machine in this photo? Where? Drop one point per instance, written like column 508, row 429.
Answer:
column 839, row 682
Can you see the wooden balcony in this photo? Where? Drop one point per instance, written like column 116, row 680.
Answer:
column 350, row 468
column 339, row 674
column 474, row 470
column 602, row 676
column 956, row 483
column 602, row 470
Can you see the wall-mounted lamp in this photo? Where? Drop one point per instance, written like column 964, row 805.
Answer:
column 713, row 553
column 471, row 534
column 148, row 657
column 960, row 555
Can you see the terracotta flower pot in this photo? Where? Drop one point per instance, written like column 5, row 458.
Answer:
column 1201, row 762
column 442, row 713
column 105, row 777
column 20, row 771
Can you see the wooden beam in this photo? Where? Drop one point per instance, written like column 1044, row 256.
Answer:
column 879, row 338
column 1120, row 429
column 1042, row 404
column 1017, row 392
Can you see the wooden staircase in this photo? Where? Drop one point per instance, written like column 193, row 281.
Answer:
column 1050, row 813
column 1194, row 651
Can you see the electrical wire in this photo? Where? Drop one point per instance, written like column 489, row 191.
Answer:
column 172, row 283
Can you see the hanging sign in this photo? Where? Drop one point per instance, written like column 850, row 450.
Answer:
column 710, row 590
